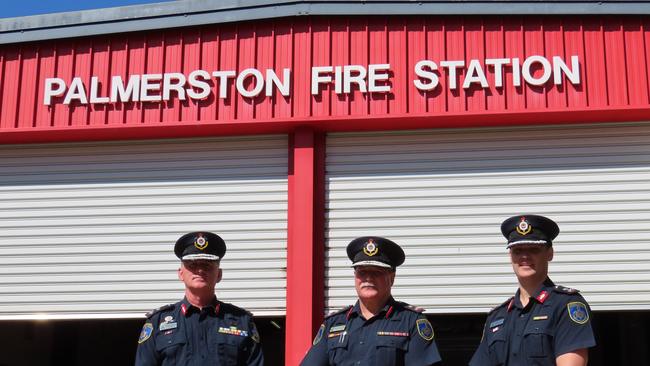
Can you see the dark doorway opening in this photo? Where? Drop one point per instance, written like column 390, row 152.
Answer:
column 622, row 337
column 100, row 342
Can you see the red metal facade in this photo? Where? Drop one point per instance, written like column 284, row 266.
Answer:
column 613, row 53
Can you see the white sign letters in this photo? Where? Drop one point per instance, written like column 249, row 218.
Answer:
column 250, row 83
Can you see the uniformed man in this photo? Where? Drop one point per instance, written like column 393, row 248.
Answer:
column 377, row 330
column 199, row 330
column 543, row 324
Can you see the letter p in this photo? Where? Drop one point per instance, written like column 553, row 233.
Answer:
column 54, row 87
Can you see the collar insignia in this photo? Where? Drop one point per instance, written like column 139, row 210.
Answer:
column 542, row 297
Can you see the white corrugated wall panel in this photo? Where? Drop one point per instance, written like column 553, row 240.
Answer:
column 87, row 229
column 443, row 194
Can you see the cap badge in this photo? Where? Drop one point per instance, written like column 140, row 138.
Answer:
column 524, row 227
column 370, row 248
column 200, row 242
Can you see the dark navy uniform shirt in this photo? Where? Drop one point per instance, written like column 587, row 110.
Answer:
column 395, row 336
column 555, row 321
column 182, row 334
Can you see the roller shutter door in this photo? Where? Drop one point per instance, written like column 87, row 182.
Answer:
column 88, row 228
column 443, row 194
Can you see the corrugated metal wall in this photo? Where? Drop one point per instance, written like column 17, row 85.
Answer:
column 87, row 229
column 443, row 195
column 613, row 52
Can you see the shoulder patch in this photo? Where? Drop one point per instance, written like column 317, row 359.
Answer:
column 425, row 330
column 410, row 307
column 147, row 330
column 505, row 303
column 319, row 334
column 565, row 290
column 255, row 335
column 343, row 310
column 162, row 308
column 578, row 312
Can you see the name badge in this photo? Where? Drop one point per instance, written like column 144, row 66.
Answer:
column 167, row 326
column 497, row 322
column 337, row 328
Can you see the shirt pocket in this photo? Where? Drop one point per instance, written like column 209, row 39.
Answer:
column 337, row 348
column 391, row 350
column 231, row 349
column 538, row 343
column 171, row 348
column 497, row 347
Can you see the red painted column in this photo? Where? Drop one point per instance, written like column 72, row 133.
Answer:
column 305, row 247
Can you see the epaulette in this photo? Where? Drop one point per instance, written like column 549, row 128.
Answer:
column 162, row 308
column 413, row 308
column 340, row 311
column 505, row 303
column 565, row 290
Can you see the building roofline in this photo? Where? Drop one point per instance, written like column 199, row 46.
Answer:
column 200, row 12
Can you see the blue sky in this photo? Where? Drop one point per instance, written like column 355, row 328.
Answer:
column 17, row 8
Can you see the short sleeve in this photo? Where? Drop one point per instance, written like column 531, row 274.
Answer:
column 481, row 356
column 317, row 354
column 146, row 353
column 573, row 329
column 422, row 348
column 255, row 355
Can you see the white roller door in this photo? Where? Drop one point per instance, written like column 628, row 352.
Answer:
column 443, row 194
column 87, row 229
